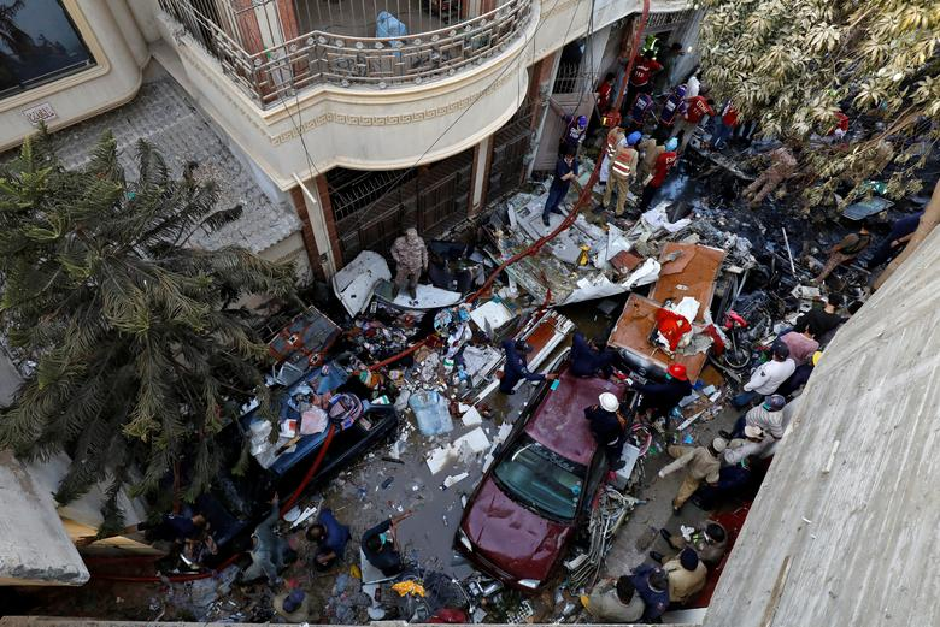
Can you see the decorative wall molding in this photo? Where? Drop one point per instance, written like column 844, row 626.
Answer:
column 390, row 120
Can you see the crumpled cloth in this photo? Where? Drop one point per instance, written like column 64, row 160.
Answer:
column 672, row 326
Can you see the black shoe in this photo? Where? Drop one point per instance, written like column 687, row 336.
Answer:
column 667, row 535
column 726, row 435
column 546, row 221
column 618, row 464
column 600, row 208
column 656, row 556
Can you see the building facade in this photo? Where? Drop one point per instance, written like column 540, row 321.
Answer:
column 332, row 122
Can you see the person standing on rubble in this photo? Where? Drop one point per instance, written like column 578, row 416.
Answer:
column 702, row 464
column 697, row 108
column 649, row 150
column 622, row 170
column 643, row 70
column 411, row 261
column 608, row 428
column 566, row 170
column 660, row 398
column 783, row 164
column 516, row 367
column 767, row 377
column 615, row 137
column 850, row 247
column 665, row 160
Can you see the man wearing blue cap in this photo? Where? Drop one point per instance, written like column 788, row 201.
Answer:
column 661, row 167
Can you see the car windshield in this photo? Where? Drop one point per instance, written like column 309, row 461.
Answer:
column 542, row 479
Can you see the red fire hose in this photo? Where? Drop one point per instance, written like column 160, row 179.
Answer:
column 583, row 199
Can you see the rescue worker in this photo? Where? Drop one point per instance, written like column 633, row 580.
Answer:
column 587, row 360
column 411, row 261
column 724, row 126
column 671, row 109
column 697, row 107
column 850, row 247
column 652, row 584
column 701, row 463
column 660, row 398
column 516, row 367
column 603, row 99
column 783, row 163
column 709, row 540
column 622, row 170
column 566, row 170
column 643, row 69
column 608, row 427
column 618, row 603
column 573, row 135
column 642, row 109
column 615, row 138
column 649, row 150
column 665, row 160
column 686, row 575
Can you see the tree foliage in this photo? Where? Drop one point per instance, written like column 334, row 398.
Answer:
column 793, row 64
column 141, row 359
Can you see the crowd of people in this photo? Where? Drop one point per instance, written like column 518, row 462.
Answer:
column 714, row 469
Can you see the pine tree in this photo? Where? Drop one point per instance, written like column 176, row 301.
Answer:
column 141, row 357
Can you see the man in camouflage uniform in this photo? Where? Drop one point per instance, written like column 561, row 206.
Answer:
column 782, row 165
column 411, row 261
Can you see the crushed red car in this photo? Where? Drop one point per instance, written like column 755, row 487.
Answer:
column 542, row 485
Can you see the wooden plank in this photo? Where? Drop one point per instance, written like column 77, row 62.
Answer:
column 693, row 274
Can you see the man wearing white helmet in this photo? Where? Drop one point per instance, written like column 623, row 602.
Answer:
column 608, row 427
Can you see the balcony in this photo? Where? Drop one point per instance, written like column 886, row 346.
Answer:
column 274, row 49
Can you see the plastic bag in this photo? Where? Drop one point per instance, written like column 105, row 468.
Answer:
column 432, row 412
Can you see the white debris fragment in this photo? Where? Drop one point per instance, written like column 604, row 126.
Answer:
column 475, row 441
column 452, row 479
column 440, row 457
column 355, row 283
column 491, row 313
column 472, row 418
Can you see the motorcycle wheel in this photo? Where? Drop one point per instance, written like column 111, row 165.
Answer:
column 736, row 357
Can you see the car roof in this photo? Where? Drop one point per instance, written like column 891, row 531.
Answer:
column 558, row 422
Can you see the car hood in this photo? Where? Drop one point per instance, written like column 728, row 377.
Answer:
column 516, row 540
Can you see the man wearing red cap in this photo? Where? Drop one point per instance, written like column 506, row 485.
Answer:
column 662, row 397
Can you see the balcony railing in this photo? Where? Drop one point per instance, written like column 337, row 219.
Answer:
column 251, row 39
